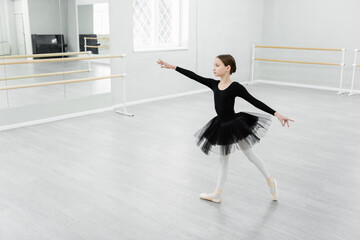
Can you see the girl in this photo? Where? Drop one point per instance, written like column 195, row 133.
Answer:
column 229, row 130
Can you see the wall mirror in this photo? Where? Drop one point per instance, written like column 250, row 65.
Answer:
column 60, row 28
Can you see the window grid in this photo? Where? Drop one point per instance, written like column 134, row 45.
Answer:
column 156, row 24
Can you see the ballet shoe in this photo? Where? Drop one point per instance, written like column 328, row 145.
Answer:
column 273, row 189
column 210, row 197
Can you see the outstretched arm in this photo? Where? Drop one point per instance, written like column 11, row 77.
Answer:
column 206, row 81
column 243, row 93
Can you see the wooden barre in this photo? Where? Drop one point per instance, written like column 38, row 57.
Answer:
column 105, row 46
column 60, row 59
column 289, row 61
column 45, row 55
column 61, row 82
column 104, row 38
column 300, row 48
column 44, row 75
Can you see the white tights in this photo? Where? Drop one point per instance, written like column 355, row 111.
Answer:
column 250, row 155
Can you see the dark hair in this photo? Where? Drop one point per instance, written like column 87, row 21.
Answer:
column 227, row 59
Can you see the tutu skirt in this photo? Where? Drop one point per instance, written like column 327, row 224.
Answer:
column 224, row 137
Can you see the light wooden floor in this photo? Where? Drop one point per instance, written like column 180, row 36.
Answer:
column 108, row 176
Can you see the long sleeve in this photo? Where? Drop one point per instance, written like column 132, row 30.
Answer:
column 205, row 81
column 243, row 93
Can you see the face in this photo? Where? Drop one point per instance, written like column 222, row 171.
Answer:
column 219, row 68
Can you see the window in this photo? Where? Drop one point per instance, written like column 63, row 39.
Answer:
column 160, row 24
column 101, row 18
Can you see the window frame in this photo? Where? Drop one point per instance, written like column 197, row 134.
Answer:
column 181, row 35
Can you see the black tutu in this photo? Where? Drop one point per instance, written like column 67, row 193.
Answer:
column 223, row 137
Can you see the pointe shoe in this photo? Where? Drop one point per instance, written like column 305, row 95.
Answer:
column 209, row 197
column 273, row 189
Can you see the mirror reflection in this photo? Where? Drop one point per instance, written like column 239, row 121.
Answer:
column 93, row 24
column 60, row 29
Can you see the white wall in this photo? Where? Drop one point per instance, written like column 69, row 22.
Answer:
column 49, row 22
column 216, row 27
column 8, row 19
column 26, row 26
column 72, row 38
column 85, row 19
column 321, row 24
column 3, row 22
column 12, row 27
column 145, row 79
column 228, row 27
column 8, row 9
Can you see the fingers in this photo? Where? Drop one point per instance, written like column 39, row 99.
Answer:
column 281, row 121
column 289, row 119
column 161, row 62
column 285, row 121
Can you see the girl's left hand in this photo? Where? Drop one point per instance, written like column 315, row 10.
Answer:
column 284, row 120
column 165, row 64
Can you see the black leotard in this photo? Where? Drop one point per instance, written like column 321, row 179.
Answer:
column 225, row 99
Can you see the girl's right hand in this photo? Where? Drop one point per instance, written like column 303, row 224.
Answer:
column 284, row 120
column 165, row 64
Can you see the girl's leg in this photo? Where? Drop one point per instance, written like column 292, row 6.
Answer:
column 255, row 159
column 259, row 163
column 222, row 175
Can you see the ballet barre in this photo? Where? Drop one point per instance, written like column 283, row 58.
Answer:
column 125, row 112
column 45, row 75
column 342, row 64
column 301, row 48
column 61, row 59
column 62, row 82
column 89, row 46
column 289, row 61
column 46, row 55
column 102, row 38
column 86, row 46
